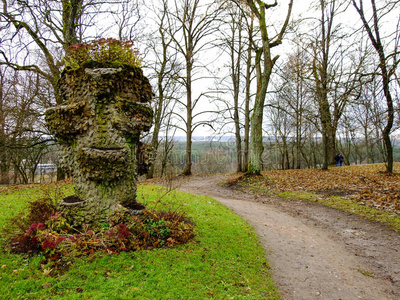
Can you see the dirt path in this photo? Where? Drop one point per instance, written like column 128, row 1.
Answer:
column 315, row 252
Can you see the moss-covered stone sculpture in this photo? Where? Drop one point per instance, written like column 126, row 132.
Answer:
column 98, row 125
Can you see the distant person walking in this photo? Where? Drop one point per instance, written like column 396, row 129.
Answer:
column 339, row 158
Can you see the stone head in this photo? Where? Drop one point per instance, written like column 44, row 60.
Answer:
column 98, row 125
column 101, row 118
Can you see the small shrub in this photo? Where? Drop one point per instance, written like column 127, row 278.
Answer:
column 20, row 231
column 26, row 242
column 40, row 210
column 156, row 229
column 107, row 53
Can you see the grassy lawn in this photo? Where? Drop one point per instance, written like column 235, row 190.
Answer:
column 224, row 262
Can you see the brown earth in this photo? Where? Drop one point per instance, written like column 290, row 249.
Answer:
column 314, row 252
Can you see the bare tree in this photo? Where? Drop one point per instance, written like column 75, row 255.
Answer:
column 21, row 144
column 293, row 98
column 264, row 63
column 335, row 68
column 27, row 26
column 4, row 112
column 165, row 69
column 283, row 130
column 368, row 112
column 190, row 25
column 36, row 34
column 233, row 42
column 248, row 80
column 127, row 18
column 236, row 45
column 372, row 25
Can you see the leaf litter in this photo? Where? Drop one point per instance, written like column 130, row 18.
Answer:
column 367, row 185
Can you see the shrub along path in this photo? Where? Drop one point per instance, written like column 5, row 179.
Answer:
column 315, row 252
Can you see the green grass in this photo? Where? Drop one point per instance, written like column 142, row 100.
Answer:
column 390, row 219
column 366, row 273
column 224, row 262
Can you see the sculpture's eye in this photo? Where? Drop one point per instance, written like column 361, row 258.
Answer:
column 131, row 118
column 66, row 121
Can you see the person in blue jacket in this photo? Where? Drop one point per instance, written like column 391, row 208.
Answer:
column 339, row 158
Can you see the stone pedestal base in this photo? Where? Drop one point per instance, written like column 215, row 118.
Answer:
column 78, row 212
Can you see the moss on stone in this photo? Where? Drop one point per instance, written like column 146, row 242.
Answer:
column 99, row 125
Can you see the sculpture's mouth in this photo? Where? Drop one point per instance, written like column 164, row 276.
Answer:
column 103, row 150
column 119, row 155
column 104, row 164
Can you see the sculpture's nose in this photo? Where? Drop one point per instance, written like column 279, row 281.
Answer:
column 104, row 134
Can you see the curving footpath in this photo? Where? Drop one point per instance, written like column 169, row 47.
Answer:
column 314, row 252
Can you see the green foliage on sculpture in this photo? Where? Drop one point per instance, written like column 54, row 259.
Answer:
column 104, row 53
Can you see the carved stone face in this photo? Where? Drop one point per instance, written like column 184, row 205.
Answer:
column 99, row 125
column 101, row 122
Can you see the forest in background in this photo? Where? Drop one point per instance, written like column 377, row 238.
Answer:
column 293, row 89
column 209, row 157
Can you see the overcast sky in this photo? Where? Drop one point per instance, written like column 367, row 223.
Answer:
column 301, row 9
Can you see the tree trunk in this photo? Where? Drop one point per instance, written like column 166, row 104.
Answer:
column 247, row 103
column 188, row 160
column 235, row 76
column 332, row 145
column 263, row 76
column 236, row 86
column 299, row 122
column 256, row 142
column 238, row 145
column 4, row 166
column 157, row 122
column 390, row 110
column 256, row 138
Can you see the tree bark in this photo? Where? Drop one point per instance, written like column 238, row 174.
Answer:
column 247, row 99
column 235, row 75
column 189, row 118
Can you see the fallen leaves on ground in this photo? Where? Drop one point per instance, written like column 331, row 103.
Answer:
column 366, row 184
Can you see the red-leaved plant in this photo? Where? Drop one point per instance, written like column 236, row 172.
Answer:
column 107, row 53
